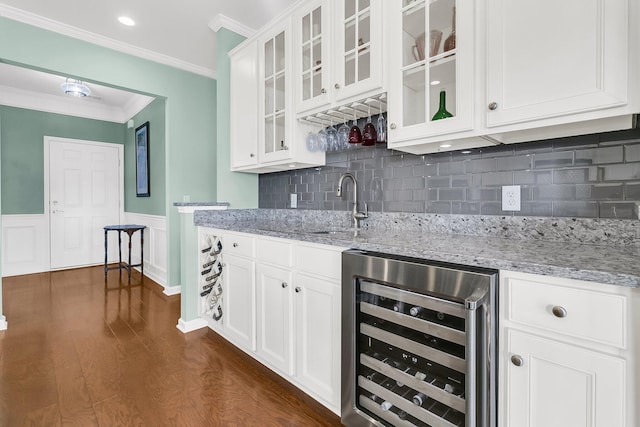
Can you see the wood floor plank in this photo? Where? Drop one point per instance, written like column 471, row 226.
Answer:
column 79, row 354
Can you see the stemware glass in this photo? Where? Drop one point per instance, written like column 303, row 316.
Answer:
column 322, row 140
column 369, row 134
column 355, row 136
column 381, row 127
column 343, row 136
column 332, row 137
column 312, row 141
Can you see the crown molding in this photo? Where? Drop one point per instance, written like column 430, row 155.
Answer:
column 97, row 39
column 29, row 100
column 223, row 21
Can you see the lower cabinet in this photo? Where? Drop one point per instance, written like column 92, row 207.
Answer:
column 282, row 306
column 274, row 317
column 567, row 356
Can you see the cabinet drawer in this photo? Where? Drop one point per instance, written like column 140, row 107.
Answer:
column 581, row 313
column 239, row 244
column 320, row 261
column 276, row 252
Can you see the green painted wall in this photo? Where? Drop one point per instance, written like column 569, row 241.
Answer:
column 22, row 133
column 1, row 311
column 190, row 109
column 155, row 204
column 239, row 189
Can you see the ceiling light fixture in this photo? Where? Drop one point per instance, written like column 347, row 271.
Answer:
column 125, row 20
column 75, row 87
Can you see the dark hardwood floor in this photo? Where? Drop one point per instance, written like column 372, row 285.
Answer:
column 77, row 354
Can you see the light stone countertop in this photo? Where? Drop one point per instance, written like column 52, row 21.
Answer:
column 570, row 258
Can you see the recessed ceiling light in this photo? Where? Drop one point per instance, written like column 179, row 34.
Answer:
column 435, row 82
column 125, row 20
column 466, row 152
column 445, row 145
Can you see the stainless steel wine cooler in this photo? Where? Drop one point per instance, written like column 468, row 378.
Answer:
column 418, row 342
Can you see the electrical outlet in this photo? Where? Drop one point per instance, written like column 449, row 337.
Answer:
column 294, row 200
column 510, row 197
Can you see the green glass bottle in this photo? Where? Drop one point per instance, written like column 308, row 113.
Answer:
column 442, row 112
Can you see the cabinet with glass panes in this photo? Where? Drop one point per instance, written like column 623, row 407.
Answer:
column 430, row 69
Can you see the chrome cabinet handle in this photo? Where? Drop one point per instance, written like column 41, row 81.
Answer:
column 559, row 311
column 284, row 285
column 235, row 245
column 298, row 289
column 337, row 86
column 392, row 126
column 252, row 155
column 517, row 360
column 323, row 90
column 493, row 106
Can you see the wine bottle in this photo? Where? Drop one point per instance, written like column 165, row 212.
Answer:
column 419, row 399
column 450, row 42
column 415, row 311
column 442, row 112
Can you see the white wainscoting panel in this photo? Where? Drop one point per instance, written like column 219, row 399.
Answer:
column 155, row 246
column 25, row 244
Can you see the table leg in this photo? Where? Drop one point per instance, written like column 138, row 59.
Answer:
column 142, row 253
column 105, row 255
column 129, row 233
column 119, row 252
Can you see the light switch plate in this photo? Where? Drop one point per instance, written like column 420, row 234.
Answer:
column 511, row 198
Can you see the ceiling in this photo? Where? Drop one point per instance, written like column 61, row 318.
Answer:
column 168, row 32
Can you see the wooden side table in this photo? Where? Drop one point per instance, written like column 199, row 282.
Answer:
column 129, row 229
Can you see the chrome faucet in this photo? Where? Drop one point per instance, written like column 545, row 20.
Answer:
column 357, row 216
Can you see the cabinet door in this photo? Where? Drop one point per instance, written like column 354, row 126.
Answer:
column 275, row 94
column 244, row 106
column 431, row 68
column 274, row 317
column 311, row 51
column 239, row 301
column 318, row 314
column 548, row 59
column 560, row 385
column 358, row 46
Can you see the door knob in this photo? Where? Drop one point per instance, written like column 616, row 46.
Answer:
column 298, row 289
column 559, row 311
column 517, row 360
column 493, row 106
column 284, row 285
column 337, row 86
column 392, row 126
column 323, row 91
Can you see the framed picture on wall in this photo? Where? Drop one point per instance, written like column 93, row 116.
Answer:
column 142, row 161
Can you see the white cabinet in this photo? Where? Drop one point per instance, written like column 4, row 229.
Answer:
column 239, row 287
column 338, row 52
column 317, row 336
column 244, row 106
column 546, row 61
column 431, row 69
column 275, row 316
column 566, row 354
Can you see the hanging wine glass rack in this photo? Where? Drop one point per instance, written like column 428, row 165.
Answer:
column 360, row 109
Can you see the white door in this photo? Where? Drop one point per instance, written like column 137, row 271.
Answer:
column 239, row 302
column 553, row 384
column 318, row 311
column 274, row 317
column 84, row 196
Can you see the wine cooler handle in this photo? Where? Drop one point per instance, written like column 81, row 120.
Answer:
column 476, row 299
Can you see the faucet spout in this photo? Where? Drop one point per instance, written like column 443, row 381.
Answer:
column 356, row 215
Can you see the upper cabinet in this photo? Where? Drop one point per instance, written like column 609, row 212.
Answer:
column 244, row 106
column 546, row 61
column 431, row 68
column 338, row 51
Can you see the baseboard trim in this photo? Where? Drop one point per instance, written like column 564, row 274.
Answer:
column 191, row 325
column 3, row 323
column 172, row 290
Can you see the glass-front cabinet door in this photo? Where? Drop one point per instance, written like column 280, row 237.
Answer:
column 358, row 47
column 276, row 99
column 311, row 44
column 430, row 68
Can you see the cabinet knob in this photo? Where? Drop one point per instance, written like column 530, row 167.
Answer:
column 559, row 311
column 284, row 285
column 235, row 245
column 298, row 289
column 393, row 126
column 337, row 86
column 252, row 155
column 493, row 106
column 517, row 360
column 323, row 90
